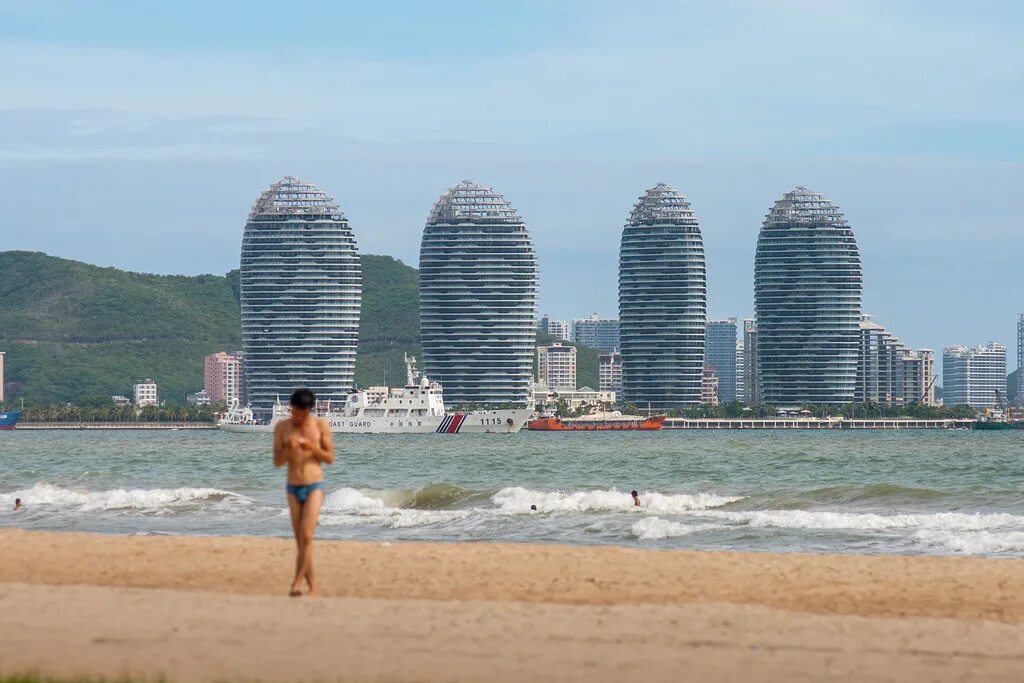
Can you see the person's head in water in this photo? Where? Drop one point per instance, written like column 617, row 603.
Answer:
column 302, row 402
column 17, row 503
column 636, row 497
column 533, row 507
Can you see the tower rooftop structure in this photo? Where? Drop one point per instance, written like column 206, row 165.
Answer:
column 662, row 204
column 292, row 197
column 472, row 202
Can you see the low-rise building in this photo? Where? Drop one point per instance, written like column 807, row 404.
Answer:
column 576, row 399
column 200, row 398
column 145, row 393
column 121, row 401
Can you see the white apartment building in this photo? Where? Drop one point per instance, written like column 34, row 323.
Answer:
column 556, row 367
column 609, row 372
column 973, row 376
column 145, row 393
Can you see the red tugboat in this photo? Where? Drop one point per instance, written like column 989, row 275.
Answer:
column 598, row 423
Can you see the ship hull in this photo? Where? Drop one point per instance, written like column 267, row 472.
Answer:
column 554, row 424
column 479, row 422
column 9, row 420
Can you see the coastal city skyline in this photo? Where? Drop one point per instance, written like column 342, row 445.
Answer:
column 919, row 145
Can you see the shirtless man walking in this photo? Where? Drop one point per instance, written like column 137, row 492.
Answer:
column 304, row 443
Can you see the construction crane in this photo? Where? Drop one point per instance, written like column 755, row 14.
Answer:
column 928, row 388
column 1003, row 404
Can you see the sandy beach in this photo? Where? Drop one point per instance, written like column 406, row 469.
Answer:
column 200, row 609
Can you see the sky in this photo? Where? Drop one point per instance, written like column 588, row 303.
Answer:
column 138, row 134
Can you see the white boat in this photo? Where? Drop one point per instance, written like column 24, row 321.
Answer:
column 418, row 408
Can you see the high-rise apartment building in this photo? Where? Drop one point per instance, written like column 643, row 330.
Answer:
column 889, row 372
column 741, row 381
column 556, row 367
column 559, row 329
column 973, row 376
column 1020, row 359
column 556, row 328
column 709, row 387
column 145, row 393
column 478, row 297
column 807, row 298
column 662, row 302
column 919, row 377
column 751, row 386
column 720, row 354
column 596, row 332
column 224, row 378
column 609, row 372
column 301, row 286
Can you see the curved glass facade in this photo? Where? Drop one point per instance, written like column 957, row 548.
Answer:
column 301, row 292
column 662, row 302
column 807, row 298
column 478, row 298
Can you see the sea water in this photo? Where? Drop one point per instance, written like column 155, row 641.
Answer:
column 904, row 492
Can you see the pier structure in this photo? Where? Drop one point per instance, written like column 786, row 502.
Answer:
column 815, row 423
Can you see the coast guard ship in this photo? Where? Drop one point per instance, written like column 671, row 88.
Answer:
column 418, row 408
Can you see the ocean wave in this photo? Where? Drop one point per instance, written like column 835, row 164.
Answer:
column 826, row 520
column 52, row 496
column 971, row 542
column 349, row 506
column 654, row 528
column 519, row 499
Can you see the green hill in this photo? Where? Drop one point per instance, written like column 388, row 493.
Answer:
column 74, row 332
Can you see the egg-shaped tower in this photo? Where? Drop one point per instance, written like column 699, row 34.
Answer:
column 662, row 302
column 478, row 298
column 807, row 299
column 301, row 290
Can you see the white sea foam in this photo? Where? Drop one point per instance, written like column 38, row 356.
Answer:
column 654, row 528
column 825, row 520
column 52, row 496
column 349, row 506
column 519, row 499
column 971, row 542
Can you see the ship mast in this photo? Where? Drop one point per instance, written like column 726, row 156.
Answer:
column 411, row 375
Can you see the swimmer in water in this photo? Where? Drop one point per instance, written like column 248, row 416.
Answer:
column 636, row 497
column 17, row 504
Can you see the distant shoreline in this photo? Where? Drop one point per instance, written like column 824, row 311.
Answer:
column 103, row 426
